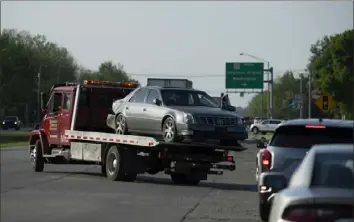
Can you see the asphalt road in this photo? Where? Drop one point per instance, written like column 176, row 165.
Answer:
column 78, row 193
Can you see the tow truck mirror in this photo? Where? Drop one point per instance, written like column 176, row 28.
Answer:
column 157, row 102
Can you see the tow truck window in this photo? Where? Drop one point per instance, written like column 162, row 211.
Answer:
column 67, row 101
column 301, row 137
column 55, row 103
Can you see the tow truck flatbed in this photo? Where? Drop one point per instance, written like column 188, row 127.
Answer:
column 141, row 141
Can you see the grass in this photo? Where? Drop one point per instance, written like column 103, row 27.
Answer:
column 267, row 136
column 13, row 139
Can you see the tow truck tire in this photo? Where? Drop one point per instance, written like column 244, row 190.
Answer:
column 114, row 165
column 184, row 179
column 37, row 157
column 121, row 124
column 264, row 212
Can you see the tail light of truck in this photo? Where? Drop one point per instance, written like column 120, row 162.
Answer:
column 266, row 160
column 323, row 214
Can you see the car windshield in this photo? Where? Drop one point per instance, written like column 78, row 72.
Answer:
column 10, row 118
column 334, row 170
column 172, row 97
column 302, row 137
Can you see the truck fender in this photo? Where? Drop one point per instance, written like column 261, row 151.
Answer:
column 39, row 134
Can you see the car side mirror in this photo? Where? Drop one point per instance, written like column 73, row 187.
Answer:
column 272, row 182
column 157, row 102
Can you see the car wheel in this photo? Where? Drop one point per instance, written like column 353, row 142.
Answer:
column 255, row 130
column 264, row 211
column 121, row 125
column 169, row 131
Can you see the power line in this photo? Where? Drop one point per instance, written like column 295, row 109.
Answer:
column 200, row 75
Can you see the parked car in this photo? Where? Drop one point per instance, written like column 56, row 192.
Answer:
column 176, row 114
column 11, row 122
column 321, row 189
column 265, row 126
column 289, row 145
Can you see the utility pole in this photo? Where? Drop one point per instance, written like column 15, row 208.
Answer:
column 271, row 101
column 39, row 93
column 301, row 97
column 310, row 96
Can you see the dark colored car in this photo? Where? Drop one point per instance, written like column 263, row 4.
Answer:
column 11, row 122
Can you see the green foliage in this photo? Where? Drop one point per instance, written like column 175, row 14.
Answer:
column 331, row 65
column 23, row 56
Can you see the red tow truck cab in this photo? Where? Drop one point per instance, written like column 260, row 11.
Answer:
column 93, row 105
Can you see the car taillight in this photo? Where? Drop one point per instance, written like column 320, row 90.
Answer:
column 323, row 214
column 299, row 215
column 266, row 160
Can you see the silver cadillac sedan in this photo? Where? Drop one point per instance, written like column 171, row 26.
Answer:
column 176, row 114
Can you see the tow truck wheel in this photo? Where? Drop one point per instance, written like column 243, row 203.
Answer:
column 37, row 157
column 121, row 125
column 113, row 164
column 184, row 179
column 169, row 132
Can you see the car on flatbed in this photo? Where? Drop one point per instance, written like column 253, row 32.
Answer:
column 290, row 143
column 74, row 130
column 177, row 115
column 321, row 188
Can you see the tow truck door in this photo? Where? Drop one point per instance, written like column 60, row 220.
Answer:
column 64, row 117
column 50, row 120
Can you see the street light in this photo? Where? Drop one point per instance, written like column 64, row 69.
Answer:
column 270, row 82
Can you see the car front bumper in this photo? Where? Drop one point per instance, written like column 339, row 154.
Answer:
column 202, row 132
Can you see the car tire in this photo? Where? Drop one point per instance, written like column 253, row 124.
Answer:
column 121, row 124
column 169, row 131
column 264, row 210
column 37, row 157
column 255, row 130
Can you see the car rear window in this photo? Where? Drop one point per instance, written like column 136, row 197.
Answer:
column 302, row 137
column 334, row 170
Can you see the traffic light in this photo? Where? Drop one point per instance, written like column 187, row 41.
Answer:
column 325, row 103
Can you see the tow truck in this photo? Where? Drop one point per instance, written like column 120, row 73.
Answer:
column 73, row 130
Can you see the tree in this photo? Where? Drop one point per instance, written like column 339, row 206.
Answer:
column 331, row 65
column 22, row 57
column 286, row 89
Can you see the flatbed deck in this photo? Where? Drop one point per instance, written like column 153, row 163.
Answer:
column 142, row 141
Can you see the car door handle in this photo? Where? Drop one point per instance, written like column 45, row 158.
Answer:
column 126, row 107
column 144, row 109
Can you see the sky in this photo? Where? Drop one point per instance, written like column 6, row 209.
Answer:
column 168, row 39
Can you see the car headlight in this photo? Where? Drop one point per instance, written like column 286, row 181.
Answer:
column 3, row 122
column 15, row 123
column 188, row 118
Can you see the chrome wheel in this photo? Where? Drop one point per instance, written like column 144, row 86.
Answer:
column 33, row 154
column 169, row 130
column 112, row 164
column 120, row 124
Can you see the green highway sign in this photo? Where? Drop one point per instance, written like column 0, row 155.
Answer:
column 246, row 75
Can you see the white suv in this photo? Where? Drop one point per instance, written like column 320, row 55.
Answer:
column 265, row 126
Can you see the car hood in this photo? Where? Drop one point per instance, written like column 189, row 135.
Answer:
column 203, row 110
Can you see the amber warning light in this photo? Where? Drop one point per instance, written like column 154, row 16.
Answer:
column 108, row 83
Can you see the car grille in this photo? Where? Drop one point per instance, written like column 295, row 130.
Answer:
column 218, row 120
